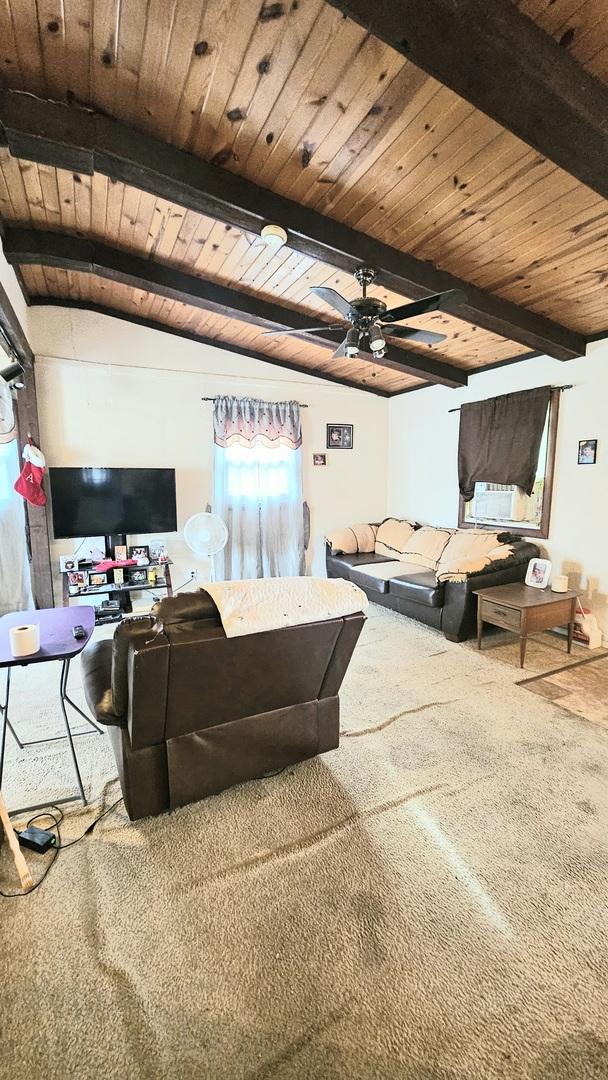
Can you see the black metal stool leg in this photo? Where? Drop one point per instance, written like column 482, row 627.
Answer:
column 4, row 718
column 4, row 710
column 62, row 695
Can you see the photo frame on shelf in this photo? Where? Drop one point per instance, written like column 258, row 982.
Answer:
column 538, row 573
column 119, row 576
column 97, row 580
column 587, row 452
column 138, row 575
column 67, row 563
column 139, row 551
column 339, row 436
column 120, row 553
column 78, row 579
column 158, row 551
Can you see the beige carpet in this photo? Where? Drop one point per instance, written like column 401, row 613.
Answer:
column 427, row 902
column 545, row 651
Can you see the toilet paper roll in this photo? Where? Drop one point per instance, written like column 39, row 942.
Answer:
column 25, row 640
column 560, row 583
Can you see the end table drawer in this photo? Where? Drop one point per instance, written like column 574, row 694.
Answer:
column 499, row 615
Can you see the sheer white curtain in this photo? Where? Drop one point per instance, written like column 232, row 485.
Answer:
column 257, row 487
column 15, row 589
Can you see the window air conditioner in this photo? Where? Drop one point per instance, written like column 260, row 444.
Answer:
column 499, row 503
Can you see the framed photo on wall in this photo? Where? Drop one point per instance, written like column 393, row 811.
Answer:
column 319, row 459
column 339, row 436
column 587, row 452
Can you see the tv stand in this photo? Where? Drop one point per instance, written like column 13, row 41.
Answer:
column 121, row 593
column 114, row 540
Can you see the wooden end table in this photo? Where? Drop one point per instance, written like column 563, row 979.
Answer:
column 525, row 610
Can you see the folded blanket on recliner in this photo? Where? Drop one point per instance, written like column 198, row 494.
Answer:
column 251, row 607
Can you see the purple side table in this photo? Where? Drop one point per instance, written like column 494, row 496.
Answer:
column 57, row 642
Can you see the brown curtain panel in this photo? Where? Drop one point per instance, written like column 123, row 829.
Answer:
column 500, row 439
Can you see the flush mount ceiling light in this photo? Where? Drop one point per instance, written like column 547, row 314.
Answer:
column 274, row 236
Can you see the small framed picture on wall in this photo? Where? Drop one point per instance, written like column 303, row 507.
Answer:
column 339, row 436
column 587, row 452
column 319, row 459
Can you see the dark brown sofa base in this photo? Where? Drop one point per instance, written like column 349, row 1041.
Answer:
column 456, row 615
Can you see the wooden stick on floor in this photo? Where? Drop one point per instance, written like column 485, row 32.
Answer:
column 25, row 877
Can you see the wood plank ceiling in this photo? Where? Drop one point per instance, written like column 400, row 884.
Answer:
column 304, row 102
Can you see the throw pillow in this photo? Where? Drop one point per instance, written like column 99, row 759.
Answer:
column 392, row 536
column 425, row 547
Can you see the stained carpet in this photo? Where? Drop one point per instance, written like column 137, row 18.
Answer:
column 427, row 902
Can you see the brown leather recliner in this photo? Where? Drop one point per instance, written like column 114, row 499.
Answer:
column 191, row 712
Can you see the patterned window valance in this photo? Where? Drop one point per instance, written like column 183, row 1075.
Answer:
column 249, row 422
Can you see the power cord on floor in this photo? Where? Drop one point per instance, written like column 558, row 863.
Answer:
column 58, row 846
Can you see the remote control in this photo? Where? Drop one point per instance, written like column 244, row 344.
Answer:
column 79, row 632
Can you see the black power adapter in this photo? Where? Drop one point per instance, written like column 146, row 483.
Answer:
column 39, row 840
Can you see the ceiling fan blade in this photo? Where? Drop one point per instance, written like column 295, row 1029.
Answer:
column 333, row 298
column 439, row 302
column 427, row 337
column 305, row 330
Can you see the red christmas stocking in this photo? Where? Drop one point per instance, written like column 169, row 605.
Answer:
column 29, row 482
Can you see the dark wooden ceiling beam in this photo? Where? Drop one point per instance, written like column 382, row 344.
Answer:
column 23, row 247
column 77, row 139
column 224, row 346
column 504, row 64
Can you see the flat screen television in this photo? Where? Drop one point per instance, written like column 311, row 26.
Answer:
column 106, row 502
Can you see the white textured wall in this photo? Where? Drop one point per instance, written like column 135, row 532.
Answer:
column 116, row 394
column 422, row 474
column 13, row 291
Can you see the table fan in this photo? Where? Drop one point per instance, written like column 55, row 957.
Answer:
column 206, row 534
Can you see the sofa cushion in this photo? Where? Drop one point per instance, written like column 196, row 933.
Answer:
column 420, row 586
column 374, row 576
column 392, row 536
column 353, row 539
column 425, row 547
column 343, row 564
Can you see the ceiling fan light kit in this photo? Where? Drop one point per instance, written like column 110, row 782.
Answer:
column 370, row 322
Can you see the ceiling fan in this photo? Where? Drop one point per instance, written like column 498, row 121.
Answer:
column 370, row 322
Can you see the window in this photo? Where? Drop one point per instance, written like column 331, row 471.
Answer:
column 259, row 473
column 508, row 506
